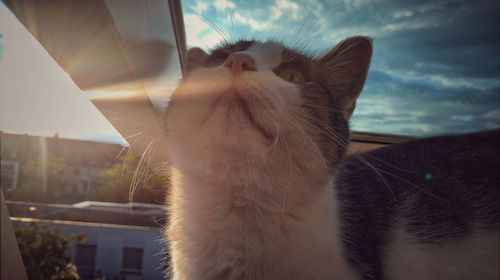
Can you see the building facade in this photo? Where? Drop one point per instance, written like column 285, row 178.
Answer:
column 42, row 163
column 118, row 249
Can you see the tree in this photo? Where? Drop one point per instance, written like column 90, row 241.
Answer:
column 131, row 180
column 44, row 253
column 54, row 172
column 47, row 182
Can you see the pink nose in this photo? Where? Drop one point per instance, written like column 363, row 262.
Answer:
column 239, row 62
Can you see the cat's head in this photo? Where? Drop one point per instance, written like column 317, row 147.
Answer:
column 262, row 105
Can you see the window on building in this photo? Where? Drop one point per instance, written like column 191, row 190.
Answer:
column 85, row 259
column 85, row 186
column 9, row 171
column 132, row 259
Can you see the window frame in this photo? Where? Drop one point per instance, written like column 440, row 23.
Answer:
column 85, row 270
column 132, row 270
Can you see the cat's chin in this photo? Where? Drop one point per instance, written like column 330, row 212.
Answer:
column 214, row 114
column 231, row 109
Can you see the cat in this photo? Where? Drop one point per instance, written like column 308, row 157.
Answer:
column 430, row 208
column 256, row 134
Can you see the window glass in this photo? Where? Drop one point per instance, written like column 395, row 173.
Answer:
column 30, row 83
column 132, row 258
column 68, row 176
column 435, row 68
column 85, row 259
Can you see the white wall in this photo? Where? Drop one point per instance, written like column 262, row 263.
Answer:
column 110, row 241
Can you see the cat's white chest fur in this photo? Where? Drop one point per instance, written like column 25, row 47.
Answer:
column 255, row 131
column 476, row 257
column 218, row 239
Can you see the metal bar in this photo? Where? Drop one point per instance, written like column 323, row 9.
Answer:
column 179, row 31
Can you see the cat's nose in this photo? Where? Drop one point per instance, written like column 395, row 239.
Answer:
column 239, row 62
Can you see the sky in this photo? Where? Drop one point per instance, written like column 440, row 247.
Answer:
column 37, row 97
column 435, row 68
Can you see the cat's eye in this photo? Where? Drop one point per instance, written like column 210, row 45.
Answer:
column 291, row 74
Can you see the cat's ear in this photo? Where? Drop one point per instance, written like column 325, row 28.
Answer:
column 345, row 68
column 195, row 57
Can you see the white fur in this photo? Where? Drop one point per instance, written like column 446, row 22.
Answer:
column 244, row 206
column 301, row 244
column 476, row 257
column 267, row 55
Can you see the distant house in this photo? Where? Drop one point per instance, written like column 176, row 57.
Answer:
column 80, row 161
column 123, row 240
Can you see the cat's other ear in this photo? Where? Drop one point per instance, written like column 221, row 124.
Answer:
column 195, row 58
column 345, row 68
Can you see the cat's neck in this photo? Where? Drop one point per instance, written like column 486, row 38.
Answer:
column 224, row 226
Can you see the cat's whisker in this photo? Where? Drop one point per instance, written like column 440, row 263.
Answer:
column 223, row 37
column 371, row 156
column 309, row 40
column 309, row 117
column 368, row 155
column 387, row 163
column 123, row 167
column 294, row 35
column 345, row 145
column 323, row 108
column 328, row 109
column 409, row 183
column 228, row 26
column 378, row 171
column 338, row 139
column 269, row 149
column 298, row 33
column 301, row 42
column 276, row 139
column 231, row 25
column 290, row 173
column 141, row 170
column 384, row 181
column 335, row 136
column 313, row 145
column 361, row 159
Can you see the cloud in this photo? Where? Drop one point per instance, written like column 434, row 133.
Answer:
column 255, row 25
column 406, row 26
column 399, row 115
column 402, row 14
column 435, row 67
column 223, row 5
column 493, row 115
column 398, row 104
column 285, row 7
column 199, row 33
column 200, row 7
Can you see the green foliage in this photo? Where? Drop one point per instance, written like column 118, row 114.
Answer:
column 117, row 183
column 112, row 185
column 69, row 272
column 54, row 173
column 44, row 253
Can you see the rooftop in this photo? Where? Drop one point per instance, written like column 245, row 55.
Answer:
column 134, row 214
column 76, row 152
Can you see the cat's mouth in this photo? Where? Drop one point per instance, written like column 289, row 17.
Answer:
column 232, row 102
column 228, row 98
